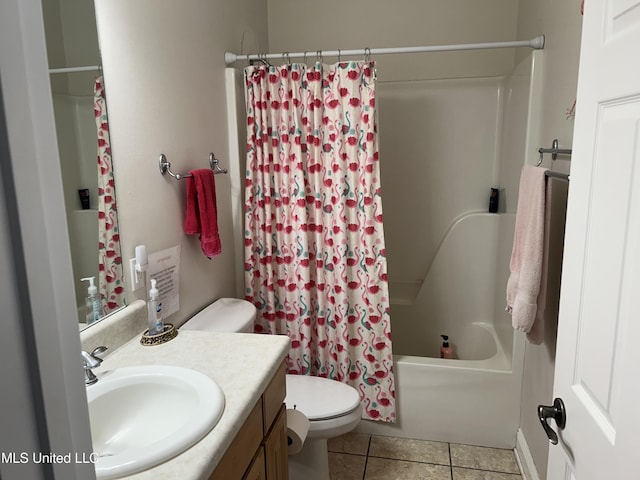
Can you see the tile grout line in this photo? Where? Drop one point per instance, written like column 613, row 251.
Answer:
column 490, row 471
column 406, row 460
column 366, row 461
column 450, row 461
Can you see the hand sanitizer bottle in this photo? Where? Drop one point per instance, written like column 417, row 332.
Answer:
column 92, row 302
column 154, row 307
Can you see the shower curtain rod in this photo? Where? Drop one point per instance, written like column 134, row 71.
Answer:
column 89, row 68
column 536, row 43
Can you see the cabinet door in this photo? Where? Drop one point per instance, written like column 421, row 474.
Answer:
column 256, row 470
column 237, row 458
column 275, row 446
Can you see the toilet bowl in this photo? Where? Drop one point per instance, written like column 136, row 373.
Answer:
column 224, row 315
column 333, row 408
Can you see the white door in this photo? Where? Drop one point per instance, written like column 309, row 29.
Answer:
column 598, row 355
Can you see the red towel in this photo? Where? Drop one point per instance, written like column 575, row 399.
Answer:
column 202, row 214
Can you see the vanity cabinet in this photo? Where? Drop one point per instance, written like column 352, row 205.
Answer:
column 259, row 450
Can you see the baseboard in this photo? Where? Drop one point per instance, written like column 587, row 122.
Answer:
column 524, row 458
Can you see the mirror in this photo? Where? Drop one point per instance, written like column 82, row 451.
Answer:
column 83, row 136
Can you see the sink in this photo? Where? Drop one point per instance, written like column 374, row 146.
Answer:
column 142, row 416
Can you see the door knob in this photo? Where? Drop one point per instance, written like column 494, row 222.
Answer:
column 557, row 412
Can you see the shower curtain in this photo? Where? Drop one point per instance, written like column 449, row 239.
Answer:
column 315, row 263
column 110, row 272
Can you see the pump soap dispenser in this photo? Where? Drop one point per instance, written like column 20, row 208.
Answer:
column 154, row 307
column 92, row 302
column 445, row 350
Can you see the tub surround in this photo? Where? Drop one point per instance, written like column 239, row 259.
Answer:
column 241, row 364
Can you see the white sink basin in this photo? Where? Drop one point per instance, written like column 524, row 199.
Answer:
column 143, row 416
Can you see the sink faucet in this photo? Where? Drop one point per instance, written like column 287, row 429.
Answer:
column 89, row 361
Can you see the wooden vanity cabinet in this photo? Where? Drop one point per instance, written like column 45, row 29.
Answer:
column 259, row 450
column 257, row 470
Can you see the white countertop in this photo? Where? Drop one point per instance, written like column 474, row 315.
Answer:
column 242, row 365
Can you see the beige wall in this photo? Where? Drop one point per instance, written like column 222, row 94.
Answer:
column 561, row 23
column 296, row 25
column 164, row 75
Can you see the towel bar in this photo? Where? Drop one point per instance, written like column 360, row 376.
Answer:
column 554, row 151
column 562, row 176
column 165, row 167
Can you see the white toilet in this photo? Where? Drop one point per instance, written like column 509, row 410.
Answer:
column 224, row 315
column 333, row 408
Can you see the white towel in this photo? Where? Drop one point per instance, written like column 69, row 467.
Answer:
column 528, row 245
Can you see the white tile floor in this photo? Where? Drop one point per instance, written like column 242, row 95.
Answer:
column 370, row 457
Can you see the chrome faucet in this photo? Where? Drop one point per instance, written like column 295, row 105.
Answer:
column 89, row 361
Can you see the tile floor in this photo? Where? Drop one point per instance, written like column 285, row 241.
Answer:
column 356, row 456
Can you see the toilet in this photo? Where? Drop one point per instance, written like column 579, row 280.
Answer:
column 224, row 315
column 333, row 408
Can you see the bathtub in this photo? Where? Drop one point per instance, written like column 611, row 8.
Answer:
column 473, row 399
column 473, row 402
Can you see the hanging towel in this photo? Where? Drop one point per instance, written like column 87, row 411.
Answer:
column 527, row 254
column 545, row 324
column 202, row 214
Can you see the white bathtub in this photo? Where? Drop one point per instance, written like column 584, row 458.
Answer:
column 473, row 402
column 473, row 399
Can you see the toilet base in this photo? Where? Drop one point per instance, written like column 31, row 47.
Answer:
column 312, row 462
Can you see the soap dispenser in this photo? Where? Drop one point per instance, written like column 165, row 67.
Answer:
column 92, row 302
column 445, row 350
column 154, row 307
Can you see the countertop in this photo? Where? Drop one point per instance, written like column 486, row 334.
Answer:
column 242, row 365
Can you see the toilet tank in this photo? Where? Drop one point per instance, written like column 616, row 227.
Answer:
column 224, row 315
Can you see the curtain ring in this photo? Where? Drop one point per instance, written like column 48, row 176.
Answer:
column 367, row 55
column 319, row 56
column 286, row 58
column 339, row 56
column 304, row 60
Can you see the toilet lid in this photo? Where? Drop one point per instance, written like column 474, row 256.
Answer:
column 320, row 398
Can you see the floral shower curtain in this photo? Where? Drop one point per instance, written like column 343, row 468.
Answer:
column 315, row 263
column 109, row 258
